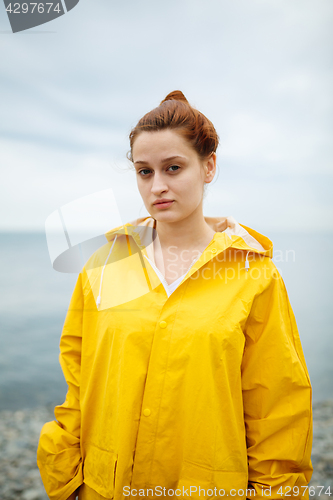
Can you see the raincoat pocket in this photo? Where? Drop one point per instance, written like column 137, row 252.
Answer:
column 99, row 470
column 200, row 482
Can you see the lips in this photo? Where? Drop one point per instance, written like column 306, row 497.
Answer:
column 163, row 200
column 163, row 204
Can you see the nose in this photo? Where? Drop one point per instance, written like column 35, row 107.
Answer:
column 159, row 185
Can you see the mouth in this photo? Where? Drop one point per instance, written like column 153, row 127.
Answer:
column 164, row 204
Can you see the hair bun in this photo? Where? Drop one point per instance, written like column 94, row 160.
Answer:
column 176, row 95
column 176, row 113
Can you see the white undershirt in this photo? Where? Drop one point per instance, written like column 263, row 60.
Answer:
column 170, row 288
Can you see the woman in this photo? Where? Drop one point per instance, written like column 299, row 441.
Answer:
column 185, row 371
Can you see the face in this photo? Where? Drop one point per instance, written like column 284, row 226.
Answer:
column 168, row 168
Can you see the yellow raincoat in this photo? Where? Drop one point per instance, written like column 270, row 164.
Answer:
column 200, row 394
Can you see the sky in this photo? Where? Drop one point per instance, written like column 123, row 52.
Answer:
column 260, row 70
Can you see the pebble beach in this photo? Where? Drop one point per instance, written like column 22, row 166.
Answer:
column 19, row 434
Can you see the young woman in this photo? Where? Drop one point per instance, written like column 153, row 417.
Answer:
column 185, row 371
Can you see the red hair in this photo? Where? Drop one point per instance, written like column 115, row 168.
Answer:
column 176, row 113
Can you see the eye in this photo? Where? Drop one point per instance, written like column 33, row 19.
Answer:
column 144, row 170
column 174, row 166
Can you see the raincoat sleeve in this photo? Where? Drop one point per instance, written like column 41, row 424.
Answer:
column 58, row 454
column 277, row 397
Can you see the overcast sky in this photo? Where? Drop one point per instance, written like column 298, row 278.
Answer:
column 72, row 89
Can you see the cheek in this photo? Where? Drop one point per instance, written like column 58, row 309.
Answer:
column 142, row 193
column 142, row 187
column 191, row 185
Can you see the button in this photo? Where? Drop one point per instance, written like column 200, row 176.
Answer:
column 163, row 324
column 214, row 250
column 146, row 412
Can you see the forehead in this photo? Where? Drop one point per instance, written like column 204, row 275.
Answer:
column 154, row 146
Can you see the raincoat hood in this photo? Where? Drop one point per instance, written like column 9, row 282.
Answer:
column 229, row 234
column 241, row 236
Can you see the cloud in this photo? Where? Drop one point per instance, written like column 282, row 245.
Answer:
column 259, row 70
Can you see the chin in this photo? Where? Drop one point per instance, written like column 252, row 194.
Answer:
column 169, row 216
column 165, row 216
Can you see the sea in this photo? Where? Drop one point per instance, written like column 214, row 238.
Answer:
column 35, row 297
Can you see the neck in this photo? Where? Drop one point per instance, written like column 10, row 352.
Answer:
column 189, row 233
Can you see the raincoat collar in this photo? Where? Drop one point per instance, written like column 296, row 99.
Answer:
column 228, row 234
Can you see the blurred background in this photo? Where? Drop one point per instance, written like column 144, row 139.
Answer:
column 70, row 92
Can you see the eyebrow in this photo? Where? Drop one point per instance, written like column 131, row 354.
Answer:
column 163, row 161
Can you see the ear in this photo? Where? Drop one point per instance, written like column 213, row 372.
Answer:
column 210, row 168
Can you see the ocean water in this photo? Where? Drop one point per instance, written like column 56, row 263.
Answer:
column 34, row 301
